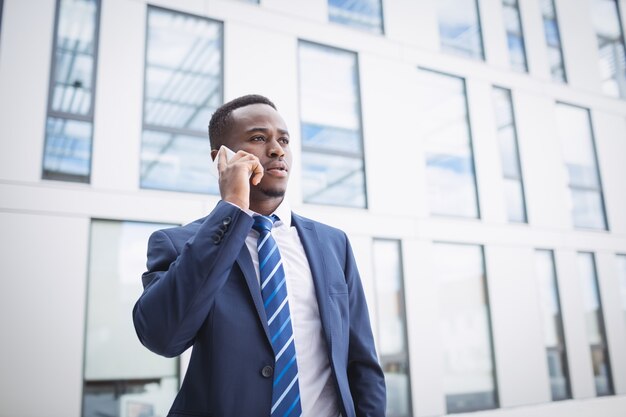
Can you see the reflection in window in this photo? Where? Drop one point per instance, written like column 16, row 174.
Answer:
column 446, row 134
column 459, row 28
column 69, row 126
column 609, row 33
column 621, row 273
column 509, row 155
column 121, row 377
column 183, row 87
column 361, row 14
column 330, row 112
column 595, row 324
column 514, row 35
column 469, row 369
column 391, row 314
column 579, row 154
column 552, row 325
column 553, row 40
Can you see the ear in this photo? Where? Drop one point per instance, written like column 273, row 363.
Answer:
column 214, row 154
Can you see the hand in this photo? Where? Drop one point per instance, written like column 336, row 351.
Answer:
column 236, row 176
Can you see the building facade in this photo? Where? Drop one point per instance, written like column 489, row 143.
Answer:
column 473, row 150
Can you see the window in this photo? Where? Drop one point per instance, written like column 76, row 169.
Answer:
column 121, row 377
column 392, row 336
column 469, row 368
column 361, row 14
column 330, row 112
column 553, row 41
column 449, row 157
column 509, row 155
column 552, row 325
column 459, row 28
column 579, row 154
column 621, row 271
column 69, row 125
column 514, row 35
column 595, row 324
column 610, row 36
column 183, row 87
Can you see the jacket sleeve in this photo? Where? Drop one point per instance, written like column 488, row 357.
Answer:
column 365, row 376
column 181, row 283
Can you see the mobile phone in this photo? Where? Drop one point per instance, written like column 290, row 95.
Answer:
column 213, row 165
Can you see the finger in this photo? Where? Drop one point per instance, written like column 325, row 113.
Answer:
column 257, row 173
column 221, row 160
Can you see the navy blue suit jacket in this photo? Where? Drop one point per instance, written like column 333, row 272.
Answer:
column 201, row 289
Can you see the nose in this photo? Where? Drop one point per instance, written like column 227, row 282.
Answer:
column 274, row 149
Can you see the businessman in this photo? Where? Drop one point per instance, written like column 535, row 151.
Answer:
column 271, row 302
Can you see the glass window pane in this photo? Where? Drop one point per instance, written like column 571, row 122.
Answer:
column 577, row 147
column 609, row 34
column 183, row 75
column 176, row 163
column 509, row 155
column 332, row 145
column 553, row 40
column 120, row 375
column 552, row 325
column 446, row 135
column 67, row 155
column 361, row 14
column 514, row 35
column 67, row 151
column 459, row 28
column 392, row 344
column 332, row 180
column 469, row 369
column 595, row 324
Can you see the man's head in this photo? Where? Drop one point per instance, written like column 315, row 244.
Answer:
column 221, row 121
column 252, row 124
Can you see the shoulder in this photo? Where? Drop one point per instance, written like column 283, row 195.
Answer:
column 324, row 231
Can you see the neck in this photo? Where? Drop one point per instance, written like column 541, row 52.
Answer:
column 266, row 207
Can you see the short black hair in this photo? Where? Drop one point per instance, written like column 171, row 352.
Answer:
column 221, row 120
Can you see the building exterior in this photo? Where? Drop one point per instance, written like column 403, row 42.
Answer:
column 473, row 150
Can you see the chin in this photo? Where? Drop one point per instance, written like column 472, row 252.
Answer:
column 273, row 192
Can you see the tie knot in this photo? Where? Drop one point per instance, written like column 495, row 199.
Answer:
column 263, row 223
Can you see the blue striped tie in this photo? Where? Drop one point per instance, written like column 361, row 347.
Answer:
column 285, row 391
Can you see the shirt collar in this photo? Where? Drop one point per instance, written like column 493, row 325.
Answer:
column 283, row 211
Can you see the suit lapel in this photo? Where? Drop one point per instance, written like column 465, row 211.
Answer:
column 247, row 268
column 314, row 251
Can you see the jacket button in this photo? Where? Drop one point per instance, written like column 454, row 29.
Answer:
column 226, row 220
column 216, row 239
column 267, row 371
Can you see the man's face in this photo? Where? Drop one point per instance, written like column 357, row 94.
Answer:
column 258, row 129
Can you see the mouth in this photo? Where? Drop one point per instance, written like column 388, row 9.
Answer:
column 278, row 169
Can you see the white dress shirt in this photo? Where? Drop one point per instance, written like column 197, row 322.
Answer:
column 318, row 396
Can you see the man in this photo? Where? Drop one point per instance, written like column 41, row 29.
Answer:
column 275, row 312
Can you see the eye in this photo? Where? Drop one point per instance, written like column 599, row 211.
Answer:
column 258, row 138
column 284, row 140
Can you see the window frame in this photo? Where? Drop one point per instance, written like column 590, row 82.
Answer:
column 90, row 117
column 518, row 158
column 166, row 129
column 359, row 114
column 604, row 346
column 492, row 356
column 406, row 356
column 600, row 189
